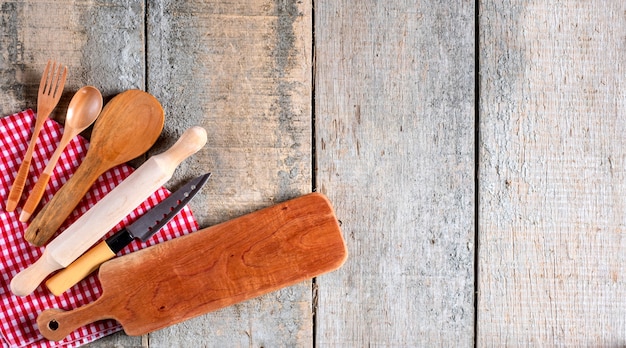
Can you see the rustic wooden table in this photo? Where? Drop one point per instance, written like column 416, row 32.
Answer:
column 474, row 152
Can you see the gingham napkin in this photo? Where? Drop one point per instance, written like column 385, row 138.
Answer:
column 18, row 314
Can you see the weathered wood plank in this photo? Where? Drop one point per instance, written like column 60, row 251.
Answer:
column 552, row 174
column 101, row 43
column 395, row 153
column 241, row 69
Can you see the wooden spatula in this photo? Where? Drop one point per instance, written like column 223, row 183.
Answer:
column 210, row 269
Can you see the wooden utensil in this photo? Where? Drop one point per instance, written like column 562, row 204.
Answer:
column 127, row 127
column 50, row 90
column 108, row 212
column 213, row 268
column 83, row 110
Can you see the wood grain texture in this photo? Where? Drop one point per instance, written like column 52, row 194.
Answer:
column 242, row 70
column 552, row 174
column 395, row 153
column 102, row 43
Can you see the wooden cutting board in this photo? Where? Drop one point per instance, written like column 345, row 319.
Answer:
column 210, row 269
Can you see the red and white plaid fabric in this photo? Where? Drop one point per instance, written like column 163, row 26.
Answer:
column 18, row 315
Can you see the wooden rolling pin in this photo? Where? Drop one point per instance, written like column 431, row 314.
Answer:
column 210, row 269
column 108, row 212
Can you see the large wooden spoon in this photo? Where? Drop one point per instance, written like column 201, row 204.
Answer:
column 127, row 127
column 83, row 110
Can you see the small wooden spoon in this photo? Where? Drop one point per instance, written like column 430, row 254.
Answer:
column 127, row 127
column 83, row 110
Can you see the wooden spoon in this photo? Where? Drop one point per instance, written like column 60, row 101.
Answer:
column 83, row 110
column 127, row 127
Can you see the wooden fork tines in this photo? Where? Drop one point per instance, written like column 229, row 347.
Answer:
column 50, row 90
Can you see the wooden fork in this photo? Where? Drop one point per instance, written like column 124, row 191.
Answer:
column 50, row 90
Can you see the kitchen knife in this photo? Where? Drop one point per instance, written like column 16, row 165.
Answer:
column 143, row 228
column 108, row 212
column 215, row 267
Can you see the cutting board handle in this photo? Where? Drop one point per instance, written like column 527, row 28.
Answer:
column 56, row 324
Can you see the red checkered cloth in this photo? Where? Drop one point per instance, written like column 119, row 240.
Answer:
column 18, row 314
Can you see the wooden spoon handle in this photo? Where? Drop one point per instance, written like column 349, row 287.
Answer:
column 53, row 214
column 35, row 195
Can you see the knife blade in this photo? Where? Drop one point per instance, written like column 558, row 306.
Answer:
column 143, row 228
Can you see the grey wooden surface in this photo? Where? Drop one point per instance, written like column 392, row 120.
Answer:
column 552, row 242
column 473, row 152
column 394, row 113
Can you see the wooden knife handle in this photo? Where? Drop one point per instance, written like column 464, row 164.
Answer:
column 79, row 269
column 53, row 214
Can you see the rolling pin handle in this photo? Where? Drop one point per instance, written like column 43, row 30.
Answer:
column 190, row 142
column 29, row 279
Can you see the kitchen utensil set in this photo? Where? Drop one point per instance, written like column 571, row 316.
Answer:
column 174, row 280
column 105, row 214
column 127, row 127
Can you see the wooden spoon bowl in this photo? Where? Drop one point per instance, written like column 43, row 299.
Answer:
column 127, row 127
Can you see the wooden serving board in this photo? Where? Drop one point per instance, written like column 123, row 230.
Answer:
column 212, row 268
